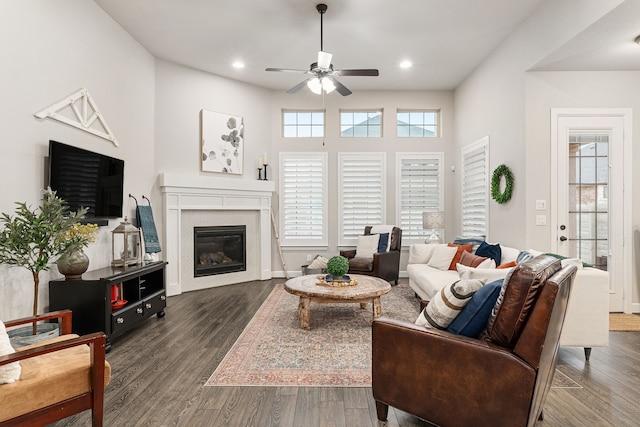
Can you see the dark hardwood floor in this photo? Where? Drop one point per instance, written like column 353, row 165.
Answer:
column 159, row 370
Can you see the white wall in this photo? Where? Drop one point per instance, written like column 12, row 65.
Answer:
column 389, row 101
column 491, row 102
column 546, row 90
column 50, row 49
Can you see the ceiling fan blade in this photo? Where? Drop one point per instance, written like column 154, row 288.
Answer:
column 342, row 89
column 299, row 86
column 357, row 72
column 286, row 70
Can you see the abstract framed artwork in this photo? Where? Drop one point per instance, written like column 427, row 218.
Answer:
column 222, row 142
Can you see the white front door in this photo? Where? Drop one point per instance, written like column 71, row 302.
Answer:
column 588, row 219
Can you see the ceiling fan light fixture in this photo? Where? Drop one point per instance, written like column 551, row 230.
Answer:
column 314, row 85
column 324, row 60
column 327, row 85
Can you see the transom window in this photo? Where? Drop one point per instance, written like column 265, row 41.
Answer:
column 361, row 124
column 418, row 123
column 303, row 124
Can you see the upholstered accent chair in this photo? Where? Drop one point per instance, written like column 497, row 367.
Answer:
column 59, row 377
column 385, row 265
column 501, row 378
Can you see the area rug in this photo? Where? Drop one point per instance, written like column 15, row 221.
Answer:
column 274, row 351
column 620, row 322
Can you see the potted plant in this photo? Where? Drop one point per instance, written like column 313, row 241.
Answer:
column 337, row 267
column 32, row 237
column 73, row 262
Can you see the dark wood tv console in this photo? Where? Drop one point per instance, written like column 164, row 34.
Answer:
column 143, row 287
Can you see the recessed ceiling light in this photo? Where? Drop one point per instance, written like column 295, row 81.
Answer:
column 405, row 64
column 238, row 64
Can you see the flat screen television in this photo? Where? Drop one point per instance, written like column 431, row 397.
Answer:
column 83, row 178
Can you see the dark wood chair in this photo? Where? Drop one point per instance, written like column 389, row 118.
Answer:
column 60, row 377
column 500, row 379
column 384, row 265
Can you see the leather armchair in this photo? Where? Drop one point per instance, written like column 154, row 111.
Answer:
column 452, row 380
column 60, row 376
column 383, row 265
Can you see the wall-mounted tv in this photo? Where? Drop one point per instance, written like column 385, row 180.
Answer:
column 86, row 179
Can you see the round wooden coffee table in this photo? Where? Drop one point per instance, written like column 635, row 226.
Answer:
column 368, row 289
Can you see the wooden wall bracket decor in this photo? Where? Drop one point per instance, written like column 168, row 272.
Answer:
column 85, row 111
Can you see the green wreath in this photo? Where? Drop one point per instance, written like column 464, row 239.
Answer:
column 500, row 172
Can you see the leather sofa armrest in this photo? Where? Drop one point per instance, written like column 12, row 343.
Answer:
column 429, row 366
column 348, row 253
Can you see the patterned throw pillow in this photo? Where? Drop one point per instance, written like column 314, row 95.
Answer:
column 524, row 257
column 11, row 372
column 447, row 304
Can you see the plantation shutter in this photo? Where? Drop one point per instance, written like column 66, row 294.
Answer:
column 475, row 189
column 420, row 191
column 361, row 193
column 303, row 207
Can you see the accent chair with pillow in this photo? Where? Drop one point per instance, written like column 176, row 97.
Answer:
column 377, row 253
column 500, row 378
column 53, row 379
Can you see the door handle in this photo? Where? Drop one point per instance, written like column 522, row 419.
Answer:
column 563, row 238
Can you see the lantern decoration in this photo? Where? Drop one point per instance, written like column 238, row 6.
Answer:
column 125, row 245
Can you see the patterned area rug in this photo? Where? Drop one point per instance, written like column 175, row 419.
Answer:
column 274, row 351
column 336, row 352
column 621, row 322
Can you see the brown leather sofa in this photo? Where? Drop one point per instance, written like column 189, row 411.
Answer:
column 383, row 265
column 501, row 378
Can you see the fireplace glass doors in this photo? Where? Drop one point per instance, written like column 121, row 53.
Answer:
column 219, row 249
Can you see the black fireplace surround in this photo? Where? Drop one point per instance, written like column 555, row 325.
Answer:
column 219, row 249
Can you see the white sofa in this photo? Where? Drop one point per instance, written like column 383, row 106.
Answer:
column 587, row 319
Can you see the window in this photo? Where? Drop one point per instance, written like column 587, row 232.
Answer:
column 303, row 124
column 361, row 193
column 475, row 189
column 303, row 199
column 420, row 189
column 418, row 124
column 361, row 124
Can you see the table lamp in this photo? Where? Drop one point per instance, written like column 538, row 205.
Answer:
column 433, row 221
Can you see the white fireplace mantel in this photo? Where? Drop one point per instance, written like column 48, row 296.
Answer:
column 204, row 193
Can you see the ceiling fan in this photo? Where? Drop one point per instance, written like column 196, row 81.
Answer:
column 322, row 72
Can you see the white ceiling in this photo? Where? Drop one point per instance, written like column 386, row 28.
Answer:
column 445, row 39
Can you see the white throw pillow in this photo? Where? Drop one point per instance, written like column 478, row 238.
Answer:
column 367, row 246
column 508, row 254
column 11, row 372
column 442, row 257
column 572, row 261
column 487, row 263
column 420, row 253
column 447, row 304
column 488, row 274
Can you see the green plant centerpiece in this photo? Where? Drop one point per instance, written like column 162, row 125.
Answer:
column 337, row 267
column 32, row 237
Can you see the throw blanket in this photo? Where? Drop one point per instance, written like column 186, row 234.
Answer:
column 380, row 229
column 145, row 220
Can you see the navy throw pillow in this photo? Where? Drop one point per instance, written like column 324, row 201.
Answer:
column 383, row 242
column 474, row 317
column 490, row 251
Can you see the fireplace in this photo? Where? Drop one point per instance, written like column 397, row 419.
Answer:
column 219, row 249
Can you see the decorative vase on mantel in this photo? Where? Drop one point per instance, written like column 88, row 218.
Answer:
column 73, row 263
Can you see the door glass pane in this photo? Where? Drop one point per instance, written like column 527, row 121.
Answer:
column 588, row 224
